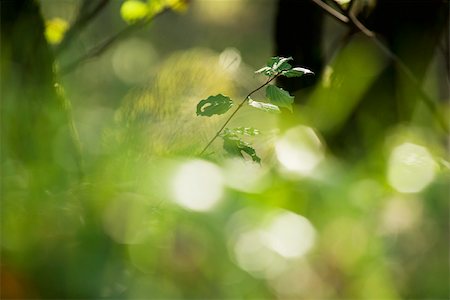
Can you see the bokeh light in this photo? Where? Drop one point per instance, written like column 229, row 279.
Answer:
column 198, row 185
column 290, row 235
column 218, row 11
column 299, row 150
column 133, row 60
column 411, row 168
column 245, row 175
column 253, row 255
column 265, row 243
column 230, row 59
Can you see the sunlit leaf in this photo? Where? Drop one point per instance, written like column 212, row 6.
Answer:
column 55, row 30
column 233, row 145
column 133, row 10
column 264, row 106
column 278, row 64
column 265, row 70
column 250, row 131
column 275, row 65
column 156, row 6
column 178, row 5
column 296, row 72
column 214, row 105
column 279, row 97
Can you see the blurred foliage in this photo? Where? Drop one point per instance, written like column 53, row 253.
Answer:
column 135, row 10
column 150, row 219
column 55, row 30
column 132, row 11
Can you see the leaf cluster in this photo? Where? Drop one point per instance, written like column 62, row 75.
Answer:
column 277, row 97
column 279, row 65
column 275, row 67
column 235, row 146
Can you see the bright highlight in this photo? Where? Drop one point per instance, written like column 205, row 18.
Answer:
column 411, row 168
column 245, row 175
column 299, row 150
column 267, row 249
column 198, row 185
column 290, row 235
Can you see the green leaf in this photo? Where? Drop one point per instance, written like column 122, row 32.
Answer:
column 266, row 70
column 250, row 131
column 134, row 10
column 235, row 146
column 296, row 72
column 278, row 63
column 279, row 97
column 264, row 106
column 274, row 65
column 214, row 105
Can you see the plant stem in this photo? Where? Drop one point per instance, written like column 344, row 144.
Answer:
column 352, row 20
column 83, row 19
column 105, row 45
column 236, row 110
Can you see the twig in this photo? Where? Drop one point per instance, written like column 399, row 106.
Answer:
column 82, row 21
column 416, row 84
column 330, row 10
column 359, row 25
column 235, row 111
column 353, row 21
column 102, row 47
column 446, row 50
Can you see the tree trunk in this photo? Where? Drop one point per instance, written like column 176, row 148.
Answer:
column 37, row 130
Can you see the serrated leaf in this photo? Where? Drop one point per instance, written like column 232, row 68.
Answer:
column 134, row 10
column 235, row 146
column 279, row 97
column 214, row 105
column 264, row 106
column 296, row 72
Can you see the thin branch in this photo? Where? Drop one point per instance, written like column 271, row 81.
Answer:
column 331, row 11
column 235, row 111
column 353, row 21
column 445, row 48
column 415, row 83
column 106, row 44
column 359, row 25
column 83, row 19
